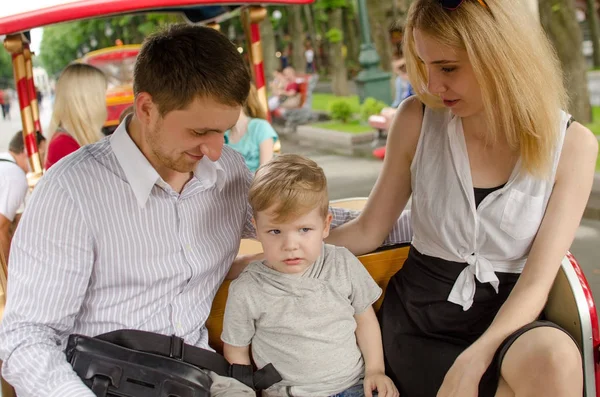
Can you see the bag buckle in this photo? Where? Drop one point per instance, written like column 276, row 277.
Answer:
column 176, row 348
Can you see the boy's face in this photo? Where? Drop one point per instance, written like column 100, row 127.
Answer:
column 292, row 246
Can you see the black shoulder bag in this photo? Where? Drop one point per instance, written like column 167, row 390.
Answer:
column 132, row 363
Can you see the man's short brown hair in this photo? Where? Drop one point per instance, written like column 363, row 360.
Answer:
column 293, row 184
column 184, row 62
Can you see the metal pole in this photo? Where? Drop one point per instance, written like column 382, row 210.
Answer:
column 371, row 80
column 14, row 44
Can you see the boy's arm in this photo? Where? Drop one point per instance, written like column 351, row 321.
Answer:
column 368, row 336
column 238, row 322
column 237, row 354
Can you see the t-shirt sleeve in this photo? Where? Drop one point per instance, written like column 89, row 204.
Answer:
column 364, row 290
column 13, row 190
column 238, row 322
column 263, row 131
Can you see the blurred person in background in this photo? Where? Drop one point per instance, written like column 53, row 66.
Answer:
column 252, row 135
column 79, row 111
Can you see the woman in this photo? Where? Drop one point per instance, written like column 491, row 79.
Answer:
column 79, row 111
column 499, row 179
column 252, row 135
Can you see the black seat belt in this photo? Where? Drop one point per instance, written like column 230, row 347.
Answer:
column 174, row 347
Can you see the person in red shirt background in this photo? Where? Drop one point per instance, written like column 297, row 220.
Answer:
column 79, row 111
column 3, row 104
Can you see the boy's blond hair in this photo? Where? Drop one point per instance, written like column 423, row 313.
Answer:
column 293, row 184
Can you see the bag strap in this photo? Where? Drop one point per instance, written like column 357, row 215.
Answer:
column 100, row 386
column 174, row 347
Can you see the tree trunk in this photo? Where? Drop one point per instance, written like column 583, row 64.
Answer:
column 338, row 67
column 560, row 23
column 379, row 31
column 351, row 35
column 312, row 33
column 322, row 49
column 297, row 33
column 592, row 21
column 268, row 41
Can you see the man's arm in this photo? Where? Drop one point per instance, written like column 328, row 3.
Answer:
column 50, row 267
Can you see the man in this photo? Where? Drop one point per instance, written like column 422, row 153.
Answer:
column 138, row 230
column 14, row 166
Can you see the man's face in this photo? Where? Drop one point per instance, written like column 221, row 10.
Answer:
column 181, row 138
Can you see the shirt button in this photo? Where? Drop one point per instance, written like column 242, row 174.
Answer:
column 188, row 247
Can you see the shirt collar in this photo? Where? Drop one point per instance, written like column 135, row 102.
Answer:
column 142, row 176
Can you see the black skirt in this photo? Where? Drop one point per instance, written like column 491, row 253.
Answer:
column 423, row 333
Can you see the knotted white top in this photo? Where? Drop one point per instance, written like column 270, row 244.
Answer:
column 494, row 237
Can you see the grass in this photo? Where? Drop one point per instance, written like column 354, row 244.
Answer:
column 321, row 101
column 351, row 127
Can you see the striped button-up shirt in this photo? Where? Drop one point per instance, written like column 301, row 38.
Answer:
column 106, row 244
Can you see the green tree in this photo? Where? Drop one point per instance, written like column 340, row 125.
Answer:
column 6, row 70
column 560, row 23
column 335, row 37
column 62, row 44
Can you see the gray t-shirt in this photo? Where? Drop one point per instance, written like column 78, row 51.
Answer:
column 303, row 324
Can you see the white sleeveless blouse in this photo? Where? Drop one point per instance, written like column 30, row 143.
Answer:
column 496, row 236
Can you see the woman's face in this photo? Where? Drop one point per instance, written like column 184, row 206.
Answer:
column 450, row 75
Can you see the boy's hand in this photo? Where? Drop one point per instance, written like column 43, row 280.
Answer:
column 378, row 381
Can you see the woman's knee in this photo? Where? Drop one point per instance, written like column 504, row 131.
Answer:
column 543, row 356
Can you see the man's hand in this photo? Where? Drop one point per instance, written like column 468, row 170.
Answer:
column 378, row 381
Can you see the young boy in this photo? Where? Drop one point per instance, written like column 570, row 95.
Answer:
column 307, row 307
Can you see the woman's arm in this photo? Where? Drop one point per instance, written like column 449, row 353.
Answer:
column 571, row 191
column 392, row 189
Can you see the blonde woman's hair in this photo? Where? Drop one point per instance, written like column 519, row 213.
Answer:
column 80, row 103
column 294, row 184
column 517, row 69
column 253, row 107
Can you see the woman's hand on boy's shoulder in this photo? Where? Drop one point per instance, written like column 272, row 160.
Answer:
column 380, row 382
